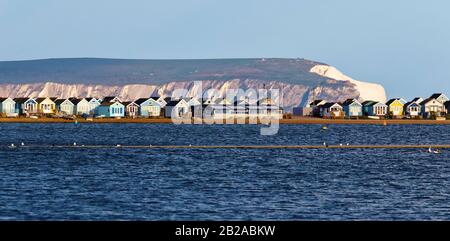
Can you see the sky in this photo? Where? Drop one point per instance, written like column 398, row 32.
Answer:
column 403, row 45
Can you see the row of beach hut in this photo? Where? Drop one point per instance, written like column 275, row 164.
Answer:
column 437, row 105
column 112, row 106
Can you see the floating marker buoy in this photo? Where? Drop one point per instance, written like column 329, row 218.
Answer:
column 437, row 151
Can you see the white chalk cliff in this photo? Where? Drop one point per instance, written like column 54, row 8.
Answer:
column 299, row 80
column 367, row 91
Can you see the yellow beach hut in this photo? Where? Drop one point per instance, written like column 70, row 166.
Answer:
column 46, row 105
column 395, row 107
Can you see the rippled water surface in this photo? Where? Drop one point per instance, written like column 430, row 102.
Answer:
column 42, row 181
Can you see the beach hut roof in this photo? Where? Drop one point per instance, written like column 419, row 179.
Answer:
column 417, row 99
column 109, row 103
column 39, row 100
column 392, row 101
column 369, row 103
column 350, row 101
column 436, row 96
column 60, row 101
column 127, row 103
column 21, row 100
column 110, row 98
column 330, row 104
column 141, row 100
column 174, row 102
column 316, row 102
column 428, row 100
column 411, row 103
column 75, row 101
column 3, row 99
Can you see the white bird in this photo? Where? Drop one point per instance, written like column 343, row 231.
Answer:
column 190, row 144
column 341, row 144
column 324, row 143
column 430, row 150
column 74, row 143
column 22, row 144
column 348, row 144
column 12, row 145
column 118, row 145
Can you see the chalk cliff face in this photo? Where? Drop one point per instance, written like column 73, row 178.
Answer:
column 299, row 81
column 367, row 91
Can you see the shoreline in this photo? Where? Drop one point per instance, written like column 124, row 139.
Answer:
column 298, row 121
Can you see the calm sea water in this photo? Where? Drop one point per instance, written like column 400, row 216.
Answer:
column 54, row 183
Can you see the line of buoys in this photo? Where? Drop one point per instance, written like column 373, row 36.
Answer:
column 435, row 149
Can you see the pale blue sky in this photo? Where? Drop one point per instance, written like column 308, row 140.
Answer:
column 402, row 44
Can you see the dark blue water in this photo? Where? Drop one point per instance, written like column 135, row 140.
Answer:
column 53, row 183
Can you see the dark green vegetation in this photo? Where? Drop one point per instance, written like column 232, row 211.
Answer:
column 122, row 71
